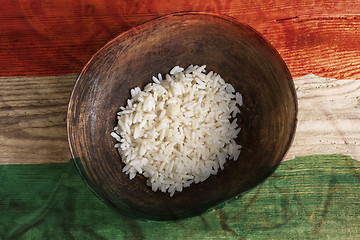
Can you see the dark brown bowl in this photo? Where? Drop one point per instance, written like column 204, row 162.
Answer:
column 235, row 51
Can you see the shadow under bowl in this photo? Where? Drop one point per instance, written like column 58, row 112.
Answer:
column 235, row 51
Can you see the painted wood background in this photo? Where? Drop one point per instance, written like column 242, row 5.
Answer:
column 45, row 43
column 58, row 37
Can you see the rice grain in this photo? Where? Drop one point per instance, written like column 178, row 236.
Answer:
column 180, row 129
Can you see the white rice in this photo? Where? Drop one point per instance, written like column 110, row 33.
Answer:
column 177, row 131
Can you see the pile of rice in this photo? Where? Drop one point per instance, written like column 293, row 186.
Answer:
column 179, row 130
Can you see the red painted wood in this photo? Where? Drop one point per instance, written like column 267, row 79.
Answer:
column 58, row 37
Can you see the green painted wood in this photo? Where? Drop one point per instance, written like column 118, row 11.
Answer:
column 312, row 197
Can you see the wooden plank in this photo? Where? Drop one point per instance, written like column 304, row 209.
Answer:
column 329, row 117
column 59, row 37
column 32, row 117
column 33, row 110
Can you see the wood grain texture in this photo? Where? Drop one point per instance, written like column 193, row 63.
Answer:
column 32, row 118
column 328, row 118
column 313, row 197
column 59, row 37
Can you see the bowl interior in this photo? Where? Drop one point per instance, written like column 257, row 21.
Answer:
column 235, row 51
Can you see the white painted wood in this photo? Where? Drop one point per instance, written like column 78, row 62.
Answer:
column 329, row 117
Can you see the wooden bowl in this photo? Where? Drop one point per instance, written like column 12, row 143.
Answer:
column 235, row 51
